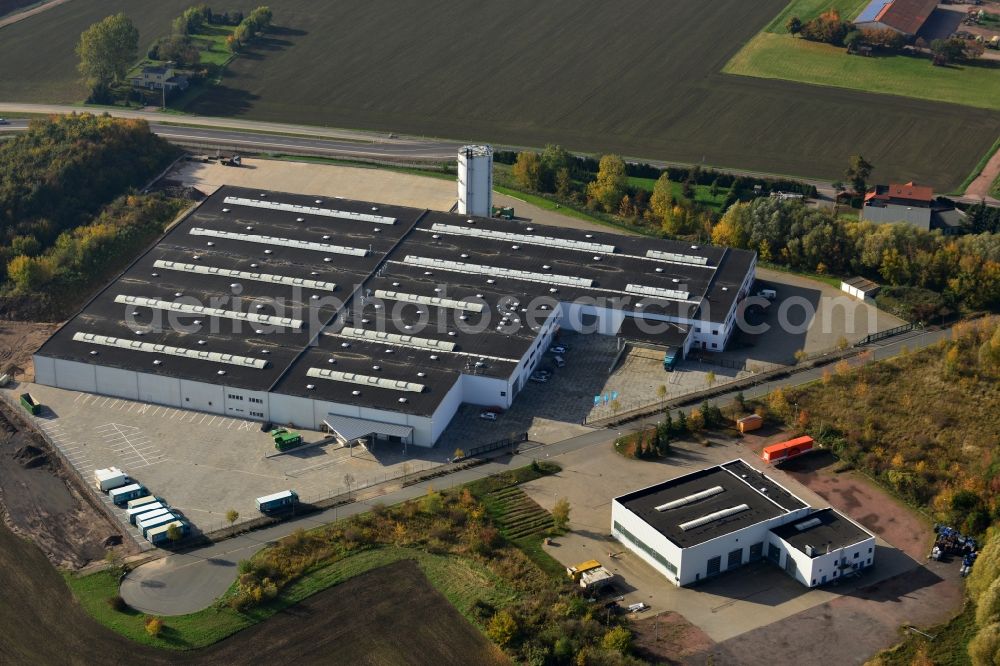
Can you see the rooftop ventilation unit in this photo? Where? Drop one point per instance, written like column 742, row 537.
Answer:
column 658, row 292
column 283, row 242
column 712, row 517
column 476, row 269
column 244, row 275
column 429, row 300
column 184, row 308
column 150, row 347
column 397, row 339
column 366, row 380
column 311, row 210
column 704, row 494
column 677, row 258
column 546, row 241
column 808, row 524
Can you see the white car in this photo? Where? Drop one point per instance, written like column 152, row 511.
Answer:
column 488, row 416
column 539, row 377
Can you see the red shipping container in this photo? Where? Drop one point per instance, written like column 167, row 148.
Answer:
column 784, row 450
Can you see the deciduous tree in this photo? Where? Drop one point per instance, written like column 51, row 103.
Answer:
column 106, row 51
column 607, row 190
column 527, row 170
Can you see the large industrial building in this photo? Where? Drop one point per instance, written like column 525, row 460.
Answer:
column 373, row 320
column 718, row 519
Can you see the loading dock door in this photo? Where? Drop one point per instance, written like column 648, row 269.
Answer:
column 714, row 566
column 756, row 551
column 773, row 553
column 735, row 558
column 790, row 565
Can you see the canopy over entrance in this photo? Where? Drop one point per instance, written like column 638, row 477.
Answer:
column 350, row 429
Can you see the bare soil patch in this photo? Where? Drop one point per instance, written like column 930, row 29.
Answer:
column 18, row 341
column 668, row 639
column 43, row 500
column 864, row 501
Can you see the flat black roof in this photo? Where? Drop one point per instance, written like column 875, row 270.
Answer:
column 824, row 530
column 735, row 492
column 295, row 238
column 664, row 334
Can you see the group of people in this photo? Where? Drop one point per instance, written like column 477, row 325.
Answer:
column 950, row 541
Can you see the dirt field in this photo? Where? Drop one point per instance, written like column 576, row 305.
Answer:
column 41, row 499
column 528, row 73
column 18, row 341
column 361, row 183
column 387, row 617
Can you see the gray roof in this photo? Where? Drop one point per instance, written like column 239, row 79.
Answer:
column 824, row 530
column 244, row 257
column 351, row 428
column 740, row 486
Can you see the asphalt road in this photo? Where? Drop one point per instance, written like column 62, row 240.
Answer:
column 187, row 582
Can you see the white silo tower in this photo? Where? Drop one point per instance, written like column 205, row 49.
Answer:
column 475, row 180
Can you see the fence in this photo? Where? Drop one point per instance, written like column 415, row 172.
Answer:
column 511, row 441
column 882, row 335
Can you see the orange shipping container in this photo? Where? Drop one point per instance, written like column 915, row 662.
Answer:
column 748, row 423
column 784, row 450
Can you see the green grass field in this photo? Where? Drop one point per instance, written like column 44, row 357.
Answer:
column 807, row 10
column 461, row 581
column 702, row 193
column 781, row 56
column 395, row 69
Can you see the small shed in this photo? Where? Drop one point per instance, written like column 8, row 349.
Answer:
column 860, row 288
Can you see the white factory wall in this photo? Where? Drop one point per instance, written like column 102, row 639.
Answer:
column 535, row 353
column 646, row 534
column 159, row 389
column 825, row 567
column 73, row 375
column 246, row 404
column 588, row 318
column 294, row 410
column 485, row 391
column 117, row 383
column 202, row 397
column 45, row 370
column 694, row 566
column 445, row 411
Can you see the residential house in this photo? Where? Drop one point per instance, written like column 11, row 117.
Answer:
column 159, row 77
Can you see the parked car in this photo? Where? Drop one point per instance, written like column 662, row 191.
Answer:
column 559, row 361
column 487, row 416
column 558, row 349
column 539, row 377
column 769, row 294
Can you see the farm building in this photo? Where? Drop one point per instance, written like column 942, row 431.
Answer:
column 912, row 204
column 720, row 518
column 904, row 16
column 370, row 320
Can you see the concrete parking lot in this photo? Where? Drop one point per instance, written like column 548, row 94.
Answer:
column 735, row 603
column 205, row 464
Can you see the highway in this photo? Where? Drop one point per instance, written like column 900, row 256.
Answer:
column 233, row 135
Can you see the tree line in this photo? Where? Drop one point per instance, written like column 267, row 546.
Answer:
column 60, row 173
column 964, row 269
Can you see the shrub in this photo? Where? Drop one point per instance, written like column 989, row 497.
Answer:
column 618, row 639
column 154, row 625
column 502, row 628
column 988, row 605
column 987, row 568
column 984, row 648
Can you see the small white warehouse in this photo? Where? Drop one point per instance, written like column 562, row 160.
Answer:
column 370, row 320
column 717, row 519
